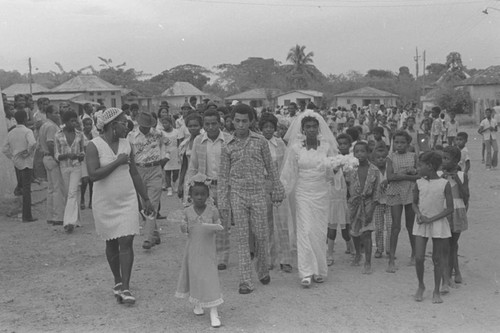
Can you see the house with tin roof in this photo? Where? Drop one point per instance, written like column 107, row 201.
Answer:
column 484, row 89
column 23, row 88
column 366, row 96
column 180, row 93
column 257, row 98
column 300, row 97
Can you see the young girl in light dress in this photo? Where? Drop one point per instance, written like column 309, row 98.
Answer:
column 459, row 182
column 401, row 177
column 198, row 279
column 433, row 202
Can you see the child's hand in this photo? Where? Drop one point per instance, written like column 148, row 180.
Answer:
column 411, row 171
column 424, row 219
column 383, row 184
column 219, row 227
column 184, row 228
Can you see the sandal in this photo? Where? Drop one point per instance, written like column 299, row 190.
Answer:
column 306, row 282
column 318, row 279
column 127, row 297
column 117, row 289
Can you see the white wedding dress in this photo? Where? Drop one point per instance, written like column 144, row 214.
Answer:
column 305, row 177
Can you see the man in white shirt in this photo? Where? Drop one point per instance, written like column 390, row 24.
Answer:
column 20, row 148
column 488, row 129
column 205, row 159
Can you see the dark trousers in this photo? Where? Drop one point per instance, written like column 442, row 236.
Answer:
column 24, row 181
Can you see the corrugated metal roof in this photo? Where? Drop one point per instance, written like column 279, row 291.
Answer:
column 254, row 94
column 85, row 82
column 183, row 89
column 23, row 88
column 58, row 97
column 489, row 76
column 312, row 93
column 367, row 92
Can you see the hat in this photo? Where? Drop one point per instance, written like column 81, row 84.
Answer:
column 235, row 102
column 378, row 130
column 211, row 103
column 145, row 119
column 186, row 106
column 107, row 116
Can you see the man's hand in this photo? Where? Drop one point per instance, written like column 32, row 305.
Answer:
column 148, row 207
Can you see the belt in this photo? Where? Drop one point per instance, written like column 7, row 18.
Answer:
column 148, row 165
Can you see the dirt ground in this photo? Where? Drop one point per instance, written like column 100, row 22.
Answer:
column 54, row 282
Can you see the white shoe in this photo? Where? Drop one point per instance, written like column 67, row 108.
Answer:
column 214, row 317
column 198, row 310
column 169, row 192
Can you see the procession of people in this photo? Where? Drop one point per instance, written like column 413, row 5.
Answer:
column 270, row 187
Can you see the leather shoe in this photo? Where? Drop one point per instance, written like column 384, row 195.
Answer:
column 30, row 220
column 57, row 222
column 265, row 280
column 221, row 267
column 160, row 217
column 286, row 268
column 244, row 289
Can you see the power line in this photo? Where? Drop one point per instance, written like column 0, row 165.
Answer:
column 348, row 4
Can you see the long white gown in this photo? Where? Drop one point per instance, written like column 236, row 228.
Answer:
column 305, row 177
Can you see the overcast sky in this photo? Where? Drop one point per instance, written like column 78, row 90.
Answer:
column 154, row 35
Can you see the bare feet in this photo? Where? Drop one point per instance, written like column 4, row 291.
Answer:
column 445, row 289
column 436, row 298
column 367, row 269
column 419, row 295
column 458, row 278
column 357, row 260
column 391, row 268
column 412, row 261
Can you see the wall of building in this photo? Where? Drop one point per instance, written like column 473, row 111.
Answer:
column 296, row 97
column 483, row 97
column 108, row 98
column 359, row 101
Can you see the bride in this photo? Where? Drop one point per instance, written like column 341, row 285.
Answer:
column 307, row 182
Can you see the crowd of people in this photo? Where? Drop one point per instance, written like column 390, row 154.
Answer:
column 284, row 180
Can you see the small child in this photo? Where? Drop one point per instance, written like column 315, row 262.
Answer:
column 451, row 129
column 437, row 126
column 401, row 176
column 198, row 279
column 363, row 189
column 459, row 183
column 339, row 212
column 382, row 213
column 431, row 194
column 414, row 145
column 173, row 165
column 89, row 133
column 461, row 141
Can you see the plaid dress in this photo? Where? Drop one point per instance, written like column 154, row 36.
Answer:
column 401, row 192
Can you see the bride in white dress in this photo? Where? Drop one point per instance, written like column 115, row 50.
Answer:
column 307, row 180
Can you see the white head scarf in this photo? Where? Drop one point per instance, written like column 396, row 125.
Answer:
column 107, row 116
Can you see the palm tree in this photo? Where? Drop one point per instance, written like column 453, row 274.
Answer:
column 302, row 65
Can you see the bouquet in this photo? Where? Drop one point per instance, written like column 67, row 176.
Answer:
column 347, row 162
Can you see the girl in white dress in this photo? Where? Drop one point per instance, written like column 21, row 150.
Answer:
column 432, row 203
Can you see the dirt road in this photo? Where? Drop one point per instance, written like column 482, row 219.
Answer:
column 54, row 282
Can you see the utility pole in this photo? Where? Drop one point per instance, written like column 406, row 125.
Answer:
column 423, row 75
column 416, row 58
column 30, row 77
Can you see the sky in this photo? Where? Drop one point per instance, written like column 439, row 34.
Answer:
column 155, row 35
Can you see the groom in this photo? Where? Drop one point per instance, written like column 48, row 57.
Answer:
column 245, row 159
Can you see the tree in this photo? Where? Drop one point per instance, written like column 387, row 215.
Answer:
column 456, row 100
column 8, row 78
column 251, row 73
column 194, row 74
column 302, row 66
column 436, row 69
column 380, row 73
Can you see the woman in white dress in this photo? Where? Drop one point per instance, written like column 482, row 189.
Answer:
column 306, row 178
column 112, row 169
